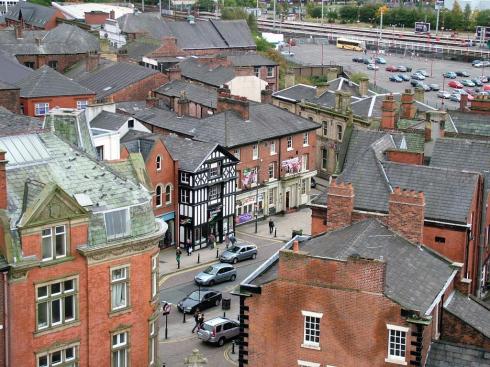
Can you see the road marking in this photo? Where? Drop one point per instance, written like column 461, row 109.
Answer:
column 226, row 354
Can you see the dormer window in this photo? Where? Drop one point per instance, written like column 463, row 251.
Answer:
column 117, row 223
column 53, row 243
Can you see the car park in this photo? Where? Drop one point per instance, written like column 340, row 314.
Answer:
column 475, row 62
column 239, row 252
column 414, row 83
column 450, row 75
column 424, row 86
column 455, row 84
column 484, row 79
column 379, row 60
column 200, row 299
column 216, row 273
column 395, row 78
column 287, row 53
column 455, row 97
column 422, row 72
column 372, row 67
column 367, row 61
column 462, row 73
column 404, row 77
column 434, row 87
column 443, row 94
column 478, row 65
column 357, row 59
column 402, row 68
column 477, row 82
column 467, row 83
column 486, row 88
column 417, row 76
column 486, row 64
column 391, row 68
column 218, row 330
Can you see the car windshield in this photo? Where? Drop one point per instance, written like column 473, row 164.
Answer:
column 207, row 327
column 235, row 249
column 210, row 270
column 195, row 295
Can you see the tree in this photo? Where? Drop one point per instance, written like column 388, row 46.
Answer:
column 483, row 18
column 457, row 16
column 357, row 76
column 367, row 13
column 348, row 13
column 467, row 17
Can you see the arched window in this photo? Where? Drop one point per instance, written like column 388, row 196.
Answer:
column 168, row 194
column 158, row 196
column 159, row 163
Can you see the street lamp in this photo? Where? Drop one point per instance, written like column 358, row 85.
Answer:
column 322, row 12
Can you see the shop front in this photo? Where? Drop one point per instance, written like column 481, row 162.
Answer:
column 246, row 205
column 169, row 238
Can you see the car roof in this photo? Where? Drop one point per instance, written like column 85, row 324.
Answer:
column 244, row 245
column 221, row 265
column 217, row 320
column 204, row 290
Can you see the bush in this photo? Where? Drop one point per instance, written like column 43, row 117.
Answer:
column 348, row 13
column 357, row 76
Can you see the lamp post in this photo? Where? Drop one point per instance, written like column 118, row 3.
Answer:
column 257, row 188
column 322, row 12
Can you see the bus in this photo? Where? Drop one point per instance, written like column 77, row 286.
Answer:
column 350, row 44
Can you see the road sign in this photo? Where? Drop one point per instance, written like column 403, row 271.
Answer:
column 422, row 27
column 166, row 307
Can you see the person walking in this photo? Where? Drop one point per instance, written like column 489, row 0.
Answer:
column 188, row 246
column 197, row 315
column 271, row 226
column 178, row 252
column 200, row 321
column 232, row 239
column 212, row 239
column 227, row 241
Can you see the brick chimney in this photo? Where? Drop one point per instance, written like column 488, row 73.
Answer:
column 406, row 214
column 388, row 113
column 463, row 103
column 151, row 101
column 340, row 204
column 408, row 109
column 266, row 95
column 93, row 61
column 419, row 94
column 18, row 31
column 364, row 86
column 182, row 105
column 295, row 246
column 226, row 102
column 3, row 180
column 435, row 126
column 174, row 73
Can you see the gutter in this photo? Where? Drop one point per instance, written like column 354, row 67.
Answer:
column 441, row 293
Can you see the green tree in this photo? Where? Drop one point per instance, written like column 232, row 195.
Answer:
column 457, row 16
column 367, row 13
column 483, row 18
column 316, row 12
column 357, row 76
column 252, row 23
column 332, row 15
column 348, row 13
column 234, row 13
column 467, row 17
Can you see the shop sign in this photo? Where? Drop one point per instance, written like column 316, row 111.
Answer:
column 245, row 217
column 249, row 176
column 185, row 221
column 292, row 165
column 214, row 212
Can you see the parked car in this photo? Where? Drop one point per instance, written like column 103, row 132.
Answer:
column 434, row 87
column 450, row 75
column 478, row 65
column 443, row 94
column 391, row 68
column 402, row 69
column 486, row 64
column 201, row 299
column 425, row 87
column 357, row 59
column 404, row 77
column 467, row 83
column 239, row 252
column 395, row 78
column 417, row 76
column 455, row 84
column 477, row 82
column 455, row 97
column 379, row 60
column 422, row 72
column 462, row 73
column 287, row 53
column 373, row 67
column 486, row 88
column 484, row 79
column 218, row 330
column 414, row 83
column 475, row 62
column 216, row 273
column 367, row 61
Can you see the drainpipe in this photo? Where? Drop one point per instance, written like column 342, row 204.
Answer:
column 6, row 321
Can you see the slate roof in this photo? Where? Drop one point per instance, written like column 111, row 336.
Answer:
column 114, row 77
column 62, row 40
column 32, row 14
column 448, row 193
column 470, row 123
column 168, row 120
column 144, row 23
column 141, row 46
column 236, row 33
column 250, row 59
column 131, row 107
column 346, row 85
column 12, row 71
column 205, row 73
column 265, row 122
column 14, row 124
column 445, row 354
column 461, row 154
column 46, row 81
column 109, row 121
column 296, row 93
column 470, row 311
column 193, row 92
column 414, row 275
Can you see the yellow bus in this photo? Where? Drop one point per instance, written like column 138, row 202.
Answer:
column 350, row 44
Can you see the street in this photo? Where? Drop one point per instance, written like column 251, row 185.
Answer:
column 181, row 341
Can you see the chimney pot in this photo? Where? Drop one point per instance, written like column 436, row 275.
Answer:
column 295, row 246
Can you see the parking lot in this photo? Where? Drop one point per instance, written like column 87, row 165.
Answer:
column 309, row 54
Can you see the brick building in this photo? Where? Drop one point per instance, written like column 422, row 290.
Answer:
column 32, row 16
column 82, row 287
column 10, row 97
column 360, row 295
column 59, row 48
column 45, row 88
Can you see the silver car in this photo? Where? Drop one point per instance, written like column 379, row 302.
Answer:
column 219, row 330
column 238, row 253
column 216, row 273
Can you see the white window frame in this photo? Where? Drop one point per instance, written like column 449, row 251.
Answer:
column 394, row 358
column 184, row 177
column 289, row 142
column 308, row 343
column 236, row 153
column 185, row 196
column 153, row 343
column 81, row 105
column 120, row 346
column 257, row 71
column 324, row 128
column 306, row 139
column 340, row 132
column 41, row 109
column 65, row 361
column 255, row 152
column 270, row 71
column 271, row 197
column 304, row 163
column 215, row 170
column 154, row 275
column 126, row 233
column 158, row 163
column 52, row 238
column 308, row 364
column 273, row 147
column 272, row 171
column 117, row 281
column 303, row 186
column 324, row 159
column 213, row 192
column 158, row 197
column 170, row 188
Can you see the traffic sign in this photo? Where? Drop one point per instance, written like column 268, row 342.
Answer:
column 166, row 307
column 422, row 27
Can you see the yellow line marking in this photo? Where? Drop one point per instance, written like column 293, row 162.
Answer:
column 226, row 354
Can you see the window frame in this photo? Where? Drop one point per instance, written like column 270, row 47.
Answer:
column 158, row 197
column 215, row 195
column 126, row 286
column 325, row 128
column 289, row 140
column 273, row 147
column 41, row 108
column 308, row 364
column 304, row 162
column 168, row 194
column 257, row 71
column 255, row 152
column 306, row 139
column 120, row 347
column 72, row 361
column 270, row 72
column 158, row 163
column 53, row 236
column 307, row 331
column 394, row 358
column 153, row 342
column 127, row 223
column 82, row 104
column 324, row 158
column 185, row 196
column 272, row 170
column 154, row 262
column 184, row 177
column 236, row 153
column 340, row 132
column 215, row 170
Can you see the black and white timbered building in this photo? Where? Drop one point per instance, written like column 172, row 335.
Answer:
column 207, row 189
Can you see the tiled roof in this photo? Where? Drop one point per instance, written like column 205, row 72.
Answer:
column 150, row 24
column 265, row 122
column 114, row 77
column 445, row 354
column 109, row 121
column 13, row 124
column 235, row 33
column 131, row 107
column 12, row 71
column 414, row 275
column 296, row 93
column 168, row 120
column 461, row 154
column 46, row 81
column 470, row 311
column 141, row 46
column 62, row 40
column 205, row 73
column 448, row 192
column 251, row 59
column 470, row 123
column 193, row 92
column 33, row 14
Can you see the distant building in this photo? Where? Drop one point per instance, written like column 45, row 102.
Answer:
column 92, row 13
column 32, row 16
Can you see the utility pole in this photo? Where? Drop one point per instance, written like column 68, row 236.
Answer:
column 322, row 12
column 160, row 6
column 438, row 7
column 143, row 6
column 274, row 21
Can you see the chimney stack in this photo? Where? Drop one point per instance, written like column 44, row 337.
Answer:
column 463, row 103
column 174, row 73
column 3, row 180
column 182, row 105
column 406, row 214
column 364, row 86
column 295, row 246
column 419, row 94
column 226, row 101
column 18, row 31
column 266, row 95
column 340, row 204
column 112, row 14
column 151, row 101
column 408, row 109
column 93, row 61
column 388, row 113
column 321, row 88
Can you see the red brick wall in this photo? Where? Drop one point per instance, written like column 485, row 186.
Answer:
column 96, row 17
column 273, row 81
column 318, row 220
column 457, row 331
column 403, row 156
column 139, row 91
column 64, row 61
column 406, row 214
column 2, row 321
column 452, row 248
column 9, row 98
column 63, row 102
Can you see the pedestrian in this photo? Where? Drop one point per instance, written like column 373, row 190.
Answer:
column 227, row 241
column 271, row 226
column 178, row 252
column 188, row 246
column 232, row 239
column 212, row 239
column 200, row 321
column 197, row 314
